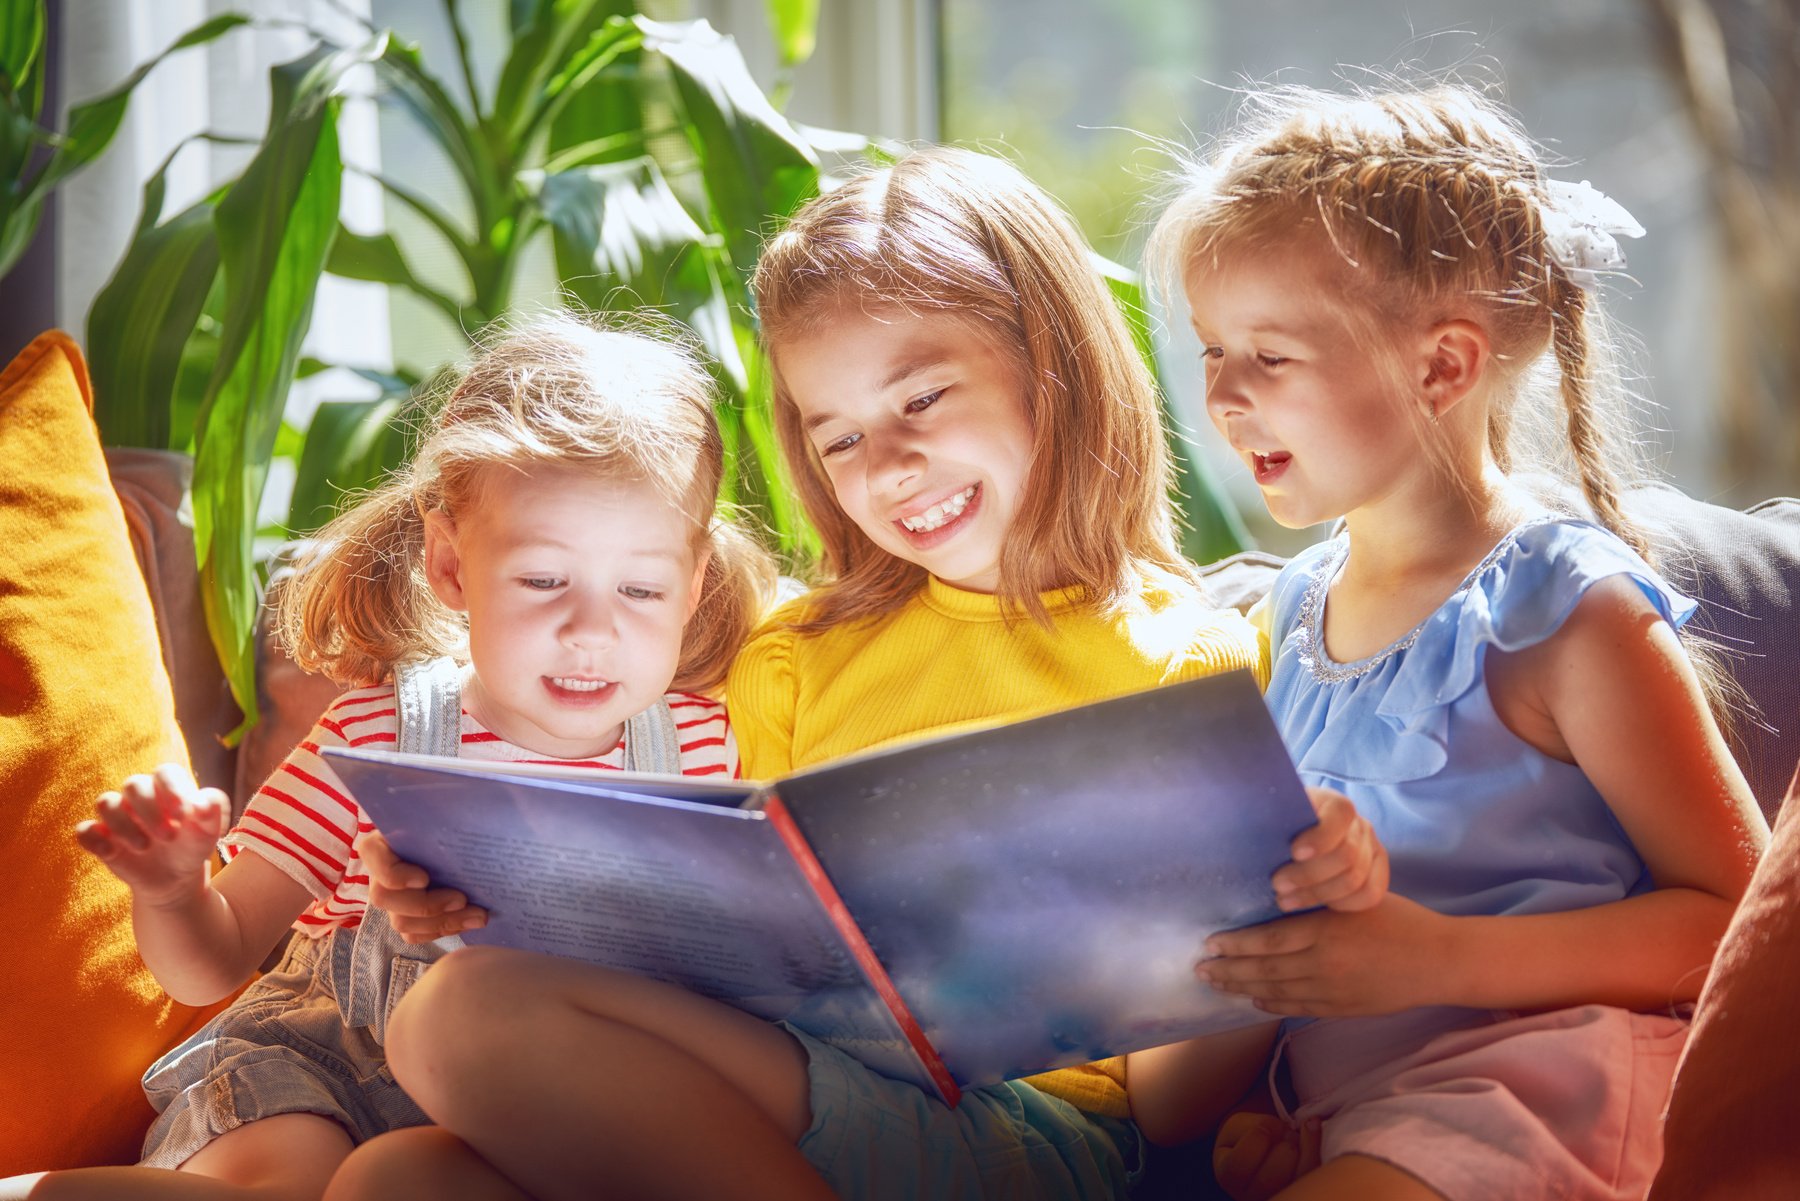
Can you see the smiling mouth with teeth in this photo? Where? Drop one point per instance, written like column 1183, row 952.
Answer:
column 572, row 684
column 942, row 513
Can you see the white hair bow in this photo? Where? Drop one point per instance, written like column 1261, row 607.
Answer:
column 1580, row 222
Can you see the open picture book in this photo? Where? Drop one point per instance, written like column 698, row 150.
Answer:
column 954, row 912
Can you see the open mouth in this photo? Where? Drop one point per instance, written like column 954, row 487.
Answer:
column 1268, row 467
column 942, row 520
column 940, row 514
column 580, row 690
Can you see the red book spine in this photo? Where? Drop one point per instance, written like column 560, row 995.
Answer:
column 859, row 947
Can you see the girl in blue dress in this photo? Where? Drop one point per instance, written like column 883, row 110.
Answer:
column 1384, row 287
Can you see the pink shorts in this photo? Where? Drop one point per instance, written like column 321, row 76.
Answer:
column 1487, row 1106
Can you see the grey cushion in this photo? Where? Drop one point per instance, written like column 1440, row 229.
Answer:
column 1744, row 568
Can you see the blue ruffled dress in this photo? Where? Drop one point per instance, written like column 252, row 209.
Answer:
column 1475, row 820
column 1481, row 1105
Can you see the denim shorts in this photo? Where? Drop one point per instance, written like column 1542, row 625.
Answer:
column 873, row 1138
column 283, row 1046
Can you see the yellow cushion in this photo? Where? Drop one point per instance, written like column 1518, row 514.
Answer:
column 84, row 702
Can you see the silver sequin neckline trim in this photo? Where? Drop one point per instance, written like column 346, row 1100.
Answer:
column 1309, row 629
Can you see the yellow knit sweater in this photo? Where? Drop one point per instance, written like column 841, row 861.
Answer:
column 950, row 658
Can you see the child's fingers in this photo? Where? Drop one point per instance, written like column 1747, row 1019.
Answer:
column 121, row 819
column 1250, row 1151
column 1257, row 976
column 211, row 812
column 159, row 810
column 1278, row 1168
column 96, row 839
column 385, row 867
column 1280, row 937
column 173, row 793
column 1358, row 884
column 417, row 902
column 428, row 927
column 1238, row 1153
column 1369, row 893
column 1336, row 815
column 1341, row 865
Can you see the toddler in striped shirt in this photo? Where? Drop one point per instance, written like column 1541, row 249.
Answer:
column 551, row 556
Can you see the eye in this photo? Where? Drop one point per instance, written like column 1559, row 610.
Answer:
column 1212, row 352
column 640, row 592
column 541, row 583
column 839, row 445
column 920, row 403
column 1270, row 360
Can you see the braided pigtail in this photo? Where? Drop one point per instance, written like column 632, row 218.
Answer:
column 1587, row 436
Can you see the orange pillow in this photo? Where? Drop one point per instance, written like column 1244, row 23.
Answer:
column 1729, row 1134
column 84, row 702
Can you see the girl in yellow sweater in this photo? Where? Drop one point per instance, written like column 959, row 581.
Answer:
column 978, row 443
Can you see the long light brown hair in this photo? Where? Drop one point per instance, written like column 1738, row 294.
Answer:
column 953, row 232
column 628, row 404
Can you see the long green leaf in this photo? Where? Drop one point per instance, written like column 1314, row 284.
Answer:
column 275, row 230
column 21, row 53
column 1211, row 527
column 92, row 124
column 780, row 509
column 18, row 225
column 616, row 226
column 142, row 319
column 351, row 445
column 402, row 69
column 376, row 258
column 91, row 127
column 22, row 25
column 623, row 241
column 756, row 169
column 613, row 40
column 543, row 46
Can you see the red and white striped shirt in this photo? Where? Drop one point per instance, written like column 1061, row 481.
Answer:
column 304, row 820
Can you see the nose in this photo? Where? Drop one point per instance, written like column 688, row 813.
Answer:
column 895, row 461
column 1224, row 397
column 590, row 623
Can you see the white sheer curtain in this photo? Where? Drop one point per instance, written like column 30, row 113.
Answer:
column 874, row 72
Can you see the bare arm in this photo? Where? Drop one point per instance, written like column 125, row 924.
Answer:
column 200, row 938
column 1623, row 702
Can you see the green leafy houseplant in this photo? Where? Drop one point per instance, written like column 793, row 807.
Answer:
column 195, row 340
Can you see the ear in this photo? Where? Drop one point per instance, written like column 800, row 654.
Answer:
column 698, row 584
column 1456, row 360
column 443, row 565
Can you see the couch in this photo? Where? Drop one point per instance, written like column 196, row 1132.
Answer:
column 99, row 612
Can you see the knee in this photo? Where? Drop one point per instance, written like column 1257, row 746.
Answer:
column 440, row 1030
column 418, row 1163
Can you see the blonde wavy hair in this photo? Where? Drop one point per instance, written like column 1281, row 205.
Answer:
column 1430, row 203
column 625, row 403
column 966, row 235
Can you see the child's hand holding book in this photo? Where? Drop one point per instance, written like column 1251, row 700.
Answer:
column 1338, row 863
column 418, row 912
